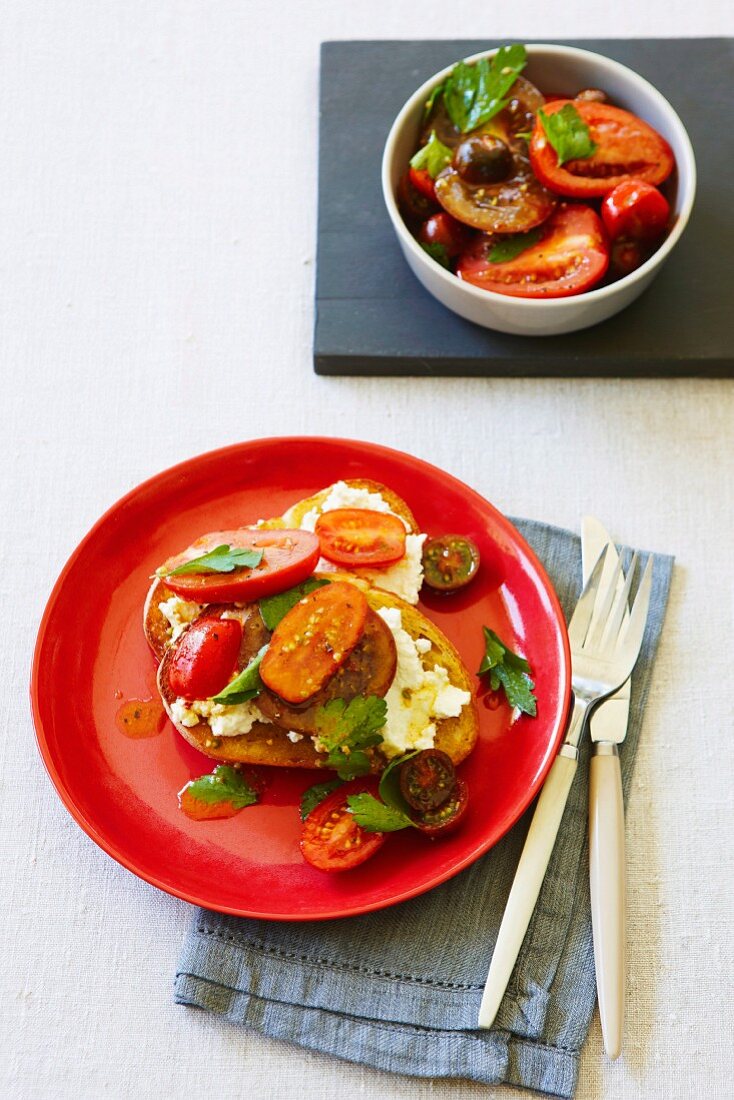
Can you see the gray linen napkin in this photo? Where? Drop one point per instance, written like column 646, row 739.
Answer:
column 400, row 989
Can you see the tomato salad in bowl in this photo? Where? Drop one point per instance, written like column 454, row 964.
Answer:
column 538, row 175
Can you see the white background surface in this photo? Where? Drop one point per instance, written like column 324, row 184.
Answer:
column 157, row 227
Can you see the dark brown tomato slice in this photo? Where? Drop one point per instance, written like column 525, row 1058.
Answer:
column 360, row 536
column 571, row 256
column 203, row 659
column 626, row 146
column 446, row 817
column 450, row 562
column 331, row 840
column 427, row 780
column 369, row 670
column 513, row 205
column 288, row 557
column 313, row 640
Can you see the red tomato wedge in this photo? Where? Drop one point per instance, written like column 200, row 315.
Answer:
column 313, row 640
column 570, row 257
column 289, row 557
column 422, row 180
column 332, row 840
column 205, row 657
column 359, row 536
column 635, row 209
column 626, row 146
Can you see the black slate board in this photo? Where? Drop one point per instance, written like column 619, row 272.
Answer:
column 373, row 316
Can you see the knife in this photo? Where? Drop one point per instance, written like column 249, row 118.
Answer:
column 606, row 828
column 531, row 869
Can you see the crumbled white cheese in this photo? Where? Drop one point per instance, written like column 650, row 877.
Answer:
column 179, row 613
column 405, row 577
column 418, row 696
column 294, row 737
column 223, row 721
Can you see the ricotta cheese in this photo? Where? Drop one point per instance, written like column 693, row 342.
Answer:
column 405, row 577
column 418, row 696
column 179, row 613
column 223, row 721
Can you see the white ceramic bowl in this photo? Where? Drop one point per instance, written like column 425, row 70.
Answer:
column 564, row 70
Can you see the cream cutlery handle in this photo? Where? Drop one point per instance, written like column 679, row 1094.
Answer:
column 606, row 867
column 528, row 880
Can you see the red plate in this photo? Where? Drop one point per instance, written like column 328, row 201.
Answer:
column 91, row 657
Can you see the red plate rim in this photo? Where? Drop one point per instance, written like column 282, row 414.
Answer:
column 181, row 468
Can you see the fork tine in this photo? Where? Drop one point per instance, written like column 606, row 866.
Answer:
column 631, row 639
column 601, row 614
column 621, row 603
column 584, row 609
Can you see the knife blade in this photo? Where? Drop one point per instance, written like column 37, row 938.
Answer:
column 606, row 829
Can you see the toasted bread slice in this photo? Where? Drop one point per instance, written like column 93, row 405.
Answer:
column 269, row 744
column 294, row 516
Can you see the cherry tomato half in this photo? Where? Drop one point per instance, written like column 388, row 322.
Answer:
column 415, row 206
column 627, row 256
column 289, row 557
column 313, row 640
column 626, row 146
column 360, row 536
column 444, row 230
column 449, row 562
column 205, row 657
column 422, row 180
column 331, row 839
column 427, row 780
column 571, row 256
column 446, row 817
column 635, row 209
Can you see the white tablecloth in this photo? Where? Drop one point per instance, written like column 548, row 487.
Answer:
column 157, row 233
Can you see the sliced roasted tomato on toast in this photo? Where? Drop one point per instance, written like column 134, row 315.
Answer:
column 288, row 557
column 313, row 641
column 360, row 536
column 331, row 839
column 625, row 147
column 571, row 255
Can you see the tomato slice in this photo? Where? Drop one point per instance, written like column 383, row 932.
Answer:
column 331, row 839
column 313, row 641
column 422, row 180
column 514, row 205
column 288, row 558
column 427, row 780
column 571, row 256
column 205, row 657
column 626, row 146
column 635, row 209
column 359, row 536
column 446, row 817
column 450, row 562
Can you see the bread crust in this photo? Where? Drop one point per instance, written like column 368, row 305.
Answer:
column 294, row 516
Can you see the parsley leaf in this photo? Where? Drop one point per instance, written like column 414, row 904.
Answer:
column 224, row 784
column 568, row 133
column 475, row 93
column 438, row 253
column 222, row 559
column 433, row 156
column 374, row 816
column 311, row 798
column 511, row 247
column 346, row 730
column 508, row 671
column 275, row 608
column 428, row 108
column 389, row 788
column 245, row 686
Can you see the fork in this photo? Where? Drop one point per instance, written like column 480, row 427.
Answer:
column 604, row 650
